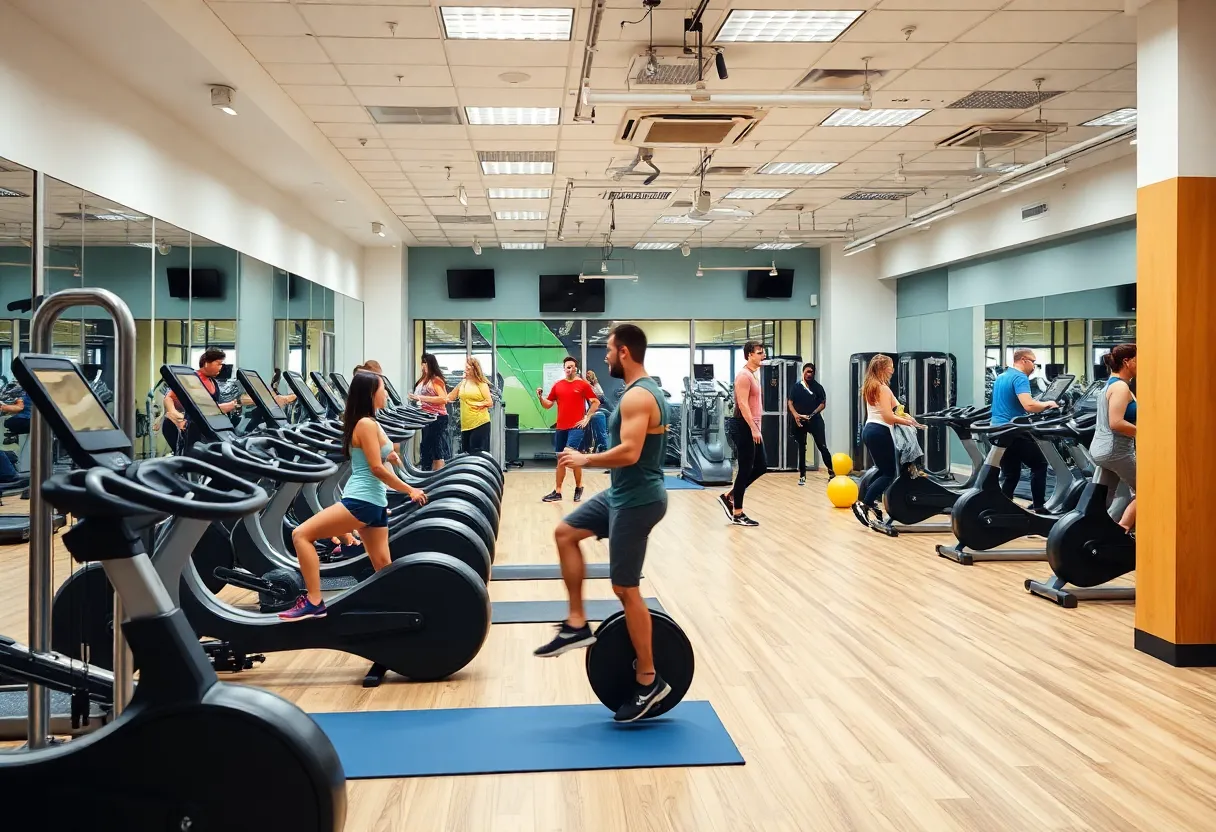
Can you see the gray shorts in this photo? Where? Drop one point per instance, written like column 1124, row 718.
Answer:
column 627, row 530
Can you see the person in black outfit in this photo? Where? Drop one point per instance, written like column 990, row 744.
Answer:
column 806, row 402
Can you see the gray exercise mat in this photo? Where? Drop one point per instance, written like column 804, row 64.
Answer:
column 554, row 612
column 542, row 571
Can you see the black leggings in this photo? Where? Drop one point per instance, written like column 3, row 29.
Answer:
column 881, row 445
column 752, row 462
column 1025, row 450
column 816, row 429
column 477, row 439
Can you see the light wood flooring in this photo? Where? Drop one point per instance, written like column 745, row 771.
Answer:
column 870, row 685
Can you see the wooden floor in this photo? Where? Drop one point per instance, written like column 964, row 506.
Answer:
column 870, row 685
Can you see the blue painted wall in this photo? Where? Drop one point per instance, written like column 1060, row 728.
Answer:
column 922, row 294
column 1091, row 303
column 667, row 285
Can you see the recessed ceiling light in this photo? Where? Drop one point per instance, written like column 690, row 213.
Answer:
column 519, row 193
column 759, row 193
column 525, row 246
column 655, row 246
column 500, row 23
column 681, row 219
column 778, row 26
column 777, row 246
column 523, row 168
column 1119, row 118
column 845, row 117
column 796, row 168
column 513, row 115
column 521, row 215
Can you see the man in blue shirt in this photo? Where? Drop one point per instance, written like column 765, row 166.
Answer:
column 1011, row 397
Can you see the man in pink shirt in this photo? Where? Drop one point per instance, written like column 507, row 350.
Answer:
column 745, row 431
column 572, row 395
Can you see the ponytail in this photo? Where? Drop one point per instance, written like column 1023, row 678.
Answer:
column 1118, row 357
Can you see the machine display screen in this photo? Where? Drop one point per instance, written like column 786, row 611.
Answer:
column 199, row 395
column 305, row 395
column 263, row 394
column 1056, row 389
column 703, row 372
column 80, row 408
column 324, row 387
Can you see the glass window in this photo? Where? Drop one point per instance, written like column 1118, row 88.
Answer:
column 524, row 348
column 992, row 333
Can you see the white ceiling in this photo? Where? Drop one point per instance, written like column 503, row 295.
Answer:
column 335, row 59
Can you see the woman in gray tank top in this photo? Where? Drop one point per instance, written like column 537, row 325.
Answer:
column 1114, row 445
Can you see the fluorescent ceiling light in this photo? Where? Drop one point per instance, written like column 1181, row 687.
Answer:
column 681, row 219
column 860, row 249
column 521, row 215
column 143, row 245
column 118, row 216
column 500, row 23
column 5, row 192
column 1119, row 118
column 1047, row 174
column 655, row 246
column 523, row 168
column 527, row 246
column 513, row 115
column 759, row 193
column 845, row 117
column 519, row 193
column 776, row 246
column 931, row 219
column 778, row 26
column 797, row 168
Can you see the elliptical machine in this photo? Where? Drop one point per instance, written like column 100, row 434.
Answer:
column 704, row 429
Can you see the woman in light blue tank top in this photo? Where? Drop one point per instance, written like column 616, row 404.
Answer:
column 364, row 504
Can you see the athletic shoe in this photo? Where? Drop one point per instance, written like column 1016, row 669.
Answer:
column 567, row 638
column 859, row 511
column 552, row 497
column 802, row 480
column 304, row 609
column 742, row 520
column 578, row 494
column 728, row 505
column 644, row 698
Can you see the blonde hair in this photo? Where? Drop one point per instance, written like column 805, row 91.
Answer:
column 876, row 374
column 591, row 377
column 477, row 374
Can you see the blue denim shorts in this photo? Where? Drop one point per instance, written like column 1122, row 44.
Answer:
column 572, row 438
column 366, row 513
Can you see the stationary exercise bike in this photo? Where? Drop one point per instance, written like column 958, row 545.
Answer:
column 166, row 761
column 1088, row 548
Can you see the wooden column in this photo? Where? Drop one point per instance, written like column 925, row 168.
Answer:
column 1176, row 441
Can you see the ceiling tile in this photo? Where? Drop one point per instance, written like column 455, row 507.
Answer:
column 302, row 74
column 501, row 54
column 984, row 55
column 379, row 166
column 422, row 144
column 346, row 130
column 1118, row 28
column 668, row 25
column 1085, row 56
column 773, row 55
column 1082, row 5
column 336, row 115
column 428, row 132
column 278, row 19
column 331, row 94
column 1027, row 27
column 940, row 79
column 1121, row 80
column 364, row 154
column 538, row 76
column 518, row 97
column 384, row 51
column 1053, row 79
column 406, row 96
column 941, row 5
column 342, row 142
column 294, row 50
column 931, row 27
column 1091, row 100
column 371, row 21
column 386, row 75
column 850, row 55
column 497, row 137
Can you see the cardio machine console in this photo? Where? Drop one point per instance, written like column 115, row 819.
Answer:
column 304, row 395
column 1058, row 387
column 75, row 414
column 200, row 408
column 703, row 379
column 327, row 394
column 267, row 407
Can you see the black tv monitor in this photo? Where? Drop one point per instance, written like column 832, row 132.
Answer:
column 761, row 283
column 197, row 283
column 471, row 284
column 562, row 294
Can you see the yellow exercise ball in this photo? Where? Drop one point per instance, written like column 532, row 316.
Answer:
column 842, row 464
column 842, row 491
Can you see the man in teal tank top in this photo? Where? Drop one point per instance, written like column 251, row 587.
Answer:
column 625, row 514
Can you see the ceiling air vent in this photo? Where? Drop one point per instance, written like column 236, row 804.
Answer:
column 662, row 196
column 728, row 170
column 879, row 196
column 1001, row 100
column 414, row 115
column 667, row 66
column 688, row 128
column 781, row 206
column 463, row 219
column 841, row 79
column 1034, row 212
column 999, row 135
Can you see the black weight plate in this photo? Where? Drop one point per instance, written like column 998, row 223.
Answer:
column 82, row 613
column 214, row 549
column 610, row 661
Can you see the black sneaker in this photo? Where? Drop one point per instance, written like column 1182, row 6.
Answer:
column 742, row 520
column 802, row 480
column 552, row 497
column 578, row 494
column 567, row 638
column 644, row 698
column 727, row 504
column 859, row 511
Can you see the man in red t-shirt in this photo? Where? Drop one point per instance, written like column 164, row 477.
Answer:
column 572, row 395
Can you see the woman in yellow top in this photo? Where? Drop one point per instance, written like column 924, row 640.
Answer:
column 475, row 403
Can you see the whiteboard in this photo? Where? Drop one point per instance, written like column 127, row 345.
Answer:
column 553, row 373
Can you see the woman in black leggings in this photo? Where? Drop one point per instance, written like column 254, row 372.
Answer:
column 876, row 435
column 745, row 432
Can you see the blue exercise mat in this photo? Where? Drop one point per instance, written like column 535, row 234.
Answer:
column 430, row 743
column 555, row 612
column 678, row 484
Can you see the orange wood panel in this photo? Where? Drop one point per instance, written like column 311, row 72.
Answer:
column 1176, row 265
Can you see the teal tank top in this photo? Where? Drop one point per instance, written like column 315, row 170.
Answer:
column 641, row 483
column 362, row 484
